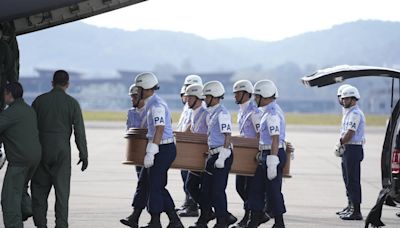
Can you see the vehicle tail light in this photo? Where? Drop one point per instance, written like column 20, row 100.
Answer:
column 396, row 161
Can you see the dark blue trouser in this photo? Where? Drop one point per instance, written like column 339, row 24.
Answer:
column 344, row 174
column 159, row 198
column 193, row 185
column 352, row 157
column 138, row 169
column 256, row 187
column 141, row 195
column 274, row 187
column 214, row 185
column 242, row 189
column 184, row 175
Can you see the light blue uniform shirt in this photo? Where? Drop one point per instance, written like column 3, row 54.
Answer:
column 136, row 118
column 272, row 123
column 184, row 119
column 354, row 119
column 219, row 122
column 249, row 117
column 198, row 120
column 158, row 114
column 133, row 119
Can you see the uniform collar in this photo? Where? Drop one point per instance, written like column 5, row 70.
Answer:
column 243, row 107
column 268, row 106
column 347, row 110
column 354, row 107
column 139, row 110
column 197, row 110
column 148, row 99
column 213, row 108
column 58, row 89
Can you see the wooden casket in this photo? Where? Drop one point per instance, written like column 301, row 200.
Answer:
column 191, row 149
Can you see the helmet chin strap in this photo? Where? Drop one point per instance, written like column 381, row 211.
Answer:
column 259, row 101
column 209, row 103
column 183, row 102
column 136, row 104
column 194, row 103
column 240, row 100
column 140, row 97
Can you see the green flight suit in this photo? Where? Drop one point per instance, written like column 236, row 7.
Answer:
column 58, row 114
column 19, row 133
column 9, row 72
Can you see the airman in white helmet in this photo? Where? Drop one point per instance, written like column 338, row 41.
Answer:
column 219, row 159
column 351, row 144
column 189, row 207
column 249, row 117
column 160, row 153
column 339, row 152
column 136, row 116
column 273, row 157
column 198, row 124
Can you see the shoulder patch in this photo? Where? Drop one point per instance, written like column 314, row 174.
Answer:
column 225, row 123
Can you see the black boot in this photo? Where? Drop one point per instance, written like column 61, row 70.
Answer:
column 256, row 218
column 133, row 219
column 191, row 210
column 174, row 220
column 244, row 221
column 154, row 221
column 185, row 203
column 345, row 210
column 230, row 219
column 353, row 215
column 279, row 222
column 203, row 220
column 266, row 217
column 221, row 222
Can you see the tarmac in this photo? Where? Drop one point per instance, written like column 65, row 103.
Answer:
column 102, row 195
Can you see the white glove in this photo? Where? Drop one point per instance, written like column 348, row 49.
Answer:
column 151, row 150
column 222, row 156
column 339, row 150
column 272, row 166
column 2, row 157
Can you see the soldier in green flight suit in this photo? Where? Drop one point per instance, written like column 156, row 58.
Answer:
column 58, row 116
column 9, row 72
column 19, row 133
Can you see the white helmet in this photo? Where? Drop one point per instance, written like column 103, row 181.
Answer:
column 243, row 85
column 195, row 90
column 214, row 88
column 133, row 90
column 193, row 79
column 340, row 89
column 183, row 90
column 265, row 88
column 350, row 91
column 146, row 80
